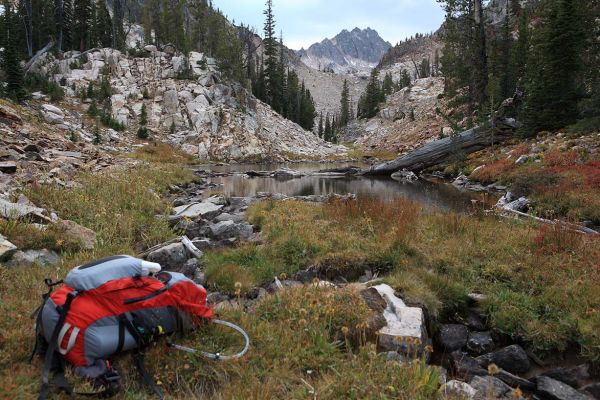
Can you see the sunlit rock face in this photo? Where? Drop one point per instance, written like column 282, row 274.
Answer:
column 349, row 51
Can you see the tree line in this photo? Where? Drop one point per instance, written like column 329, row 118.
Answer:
column 188, row 25
column 548, row 50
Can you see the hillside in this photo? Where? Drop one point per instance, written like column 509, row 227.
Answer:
column 408, row 117
column 188, row 105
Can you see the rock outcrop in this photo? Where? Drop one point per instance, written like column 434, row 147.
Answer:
column 188, row 104
column 407, row 119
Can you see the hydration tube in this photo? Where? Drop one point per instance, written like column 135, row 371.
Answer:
column 219, row 356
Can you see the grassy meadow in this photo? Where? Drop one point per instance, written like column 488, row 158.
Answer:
column 313, row 342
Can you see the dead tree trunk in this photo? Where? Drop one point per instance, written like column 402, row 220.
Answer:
column 39, row 53
column 442, row 150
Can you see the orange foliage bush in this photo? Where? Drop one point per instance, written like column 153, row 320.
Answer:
column 556, row 158
column 493, row 172
column 552, row 239
column 520, row 150
column 591, row 172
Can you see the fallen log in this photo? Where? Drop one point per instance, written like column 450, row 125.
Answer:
column 439, row 151
column 37, row 55
column 506, row 213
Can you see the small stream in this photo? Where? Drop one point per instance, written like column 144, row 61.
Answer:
column 430, row 193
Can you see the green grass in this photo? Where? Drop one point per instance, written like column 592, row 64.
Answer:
column 120, row 206
column 541, row 283
column 309, row 341
column 304, row 340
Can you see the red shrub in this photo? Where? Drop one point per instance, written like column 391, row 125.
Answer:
column 591, row 171
column 493, row 172
column 556, row 158
column 552, row 239
column 520, row 150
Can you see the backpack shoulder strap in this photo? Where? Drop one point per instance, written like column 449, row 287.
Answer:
column 138, row 355
column 51, row 352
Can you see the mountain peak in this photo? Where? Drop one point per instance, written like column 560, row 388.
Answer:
column 348, row 50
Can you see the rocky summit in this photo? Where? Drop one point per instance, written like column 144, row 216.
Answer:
column 349, row 51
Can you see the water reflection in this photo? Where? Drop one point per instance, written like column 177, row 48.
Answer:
column 439, row 195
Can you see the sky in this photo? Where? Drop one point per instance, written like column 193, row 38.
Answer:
column 305, row 22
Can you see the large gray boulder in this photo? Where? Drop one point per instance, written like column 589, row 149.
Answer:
column 453, row 337
column 205, row 209
column 172, row 256
column 512, row 358
column 465, row 366
column 170, row 102
column 552, row 389
column 85, row 236
column 480, row 342
column 230, row 229
column 574, row 376
column 457, row 390
column 489, row 387
column 7, row 249
column 30, row 258
column 593, row 389
column 10, row 210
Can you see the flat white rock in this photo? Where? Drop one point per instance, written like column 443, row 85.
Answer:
column 195, row 210
column 403, row 322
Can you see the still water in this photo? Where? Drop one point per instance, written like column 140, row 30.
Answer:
column 429, row 193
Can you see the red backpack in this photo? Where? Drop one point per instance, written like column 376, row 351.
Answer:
column 111, row 306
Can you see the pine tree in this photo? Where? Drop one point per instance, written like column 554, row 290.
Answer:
column 345, row 104
column 436, row 63
column 425, row 69
column 11, row 65
column 63, row 15
column 372, row 97
column 117, row 31
column 552, row 87
column 270, row 53
column 464, row 60
column 405, row 80
column 388, row 84
column 152, row 21
column 327, row 130
column 93, row 109
column 142, row 132
column 308, row 112
column 26, row 11
column 82, row 20
column 321, row 127
column 520, row 50
column 104, row 28
column 97, row 136
column 144, row 116
column 590, row 106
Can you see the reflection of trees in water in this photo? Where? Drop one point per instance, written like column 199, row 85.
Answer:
column 429, row 194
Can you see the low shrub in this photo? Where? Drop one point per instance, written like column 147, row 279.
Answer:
column 35, row 82
column 557, row 158
column 493, row 172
